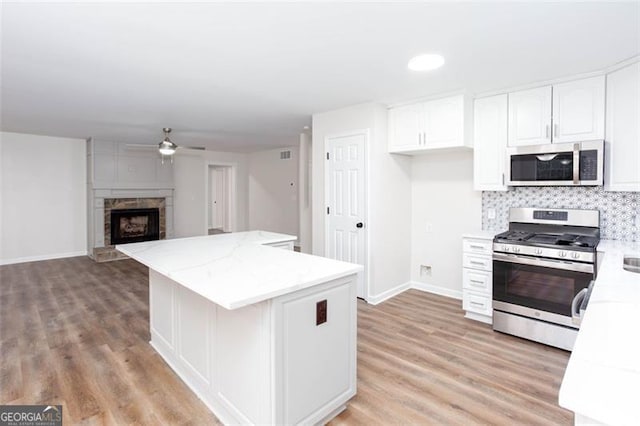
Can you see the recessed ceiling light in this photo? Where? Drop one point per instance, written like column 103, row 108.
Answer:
column 425, row 62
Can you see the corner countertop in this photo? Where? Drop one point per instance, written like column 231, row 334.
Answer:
column 481, row 235
column 602, row 379
column 237, row 269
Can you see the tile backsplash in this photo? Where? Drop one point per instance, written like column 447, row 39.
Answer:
column 619, row 211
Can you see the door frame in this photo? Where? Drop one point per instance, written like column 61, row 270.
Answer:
column 367, row 138
column 229, row 224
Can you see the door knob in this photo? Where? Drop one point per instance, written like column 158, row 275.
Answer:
column 359, row 225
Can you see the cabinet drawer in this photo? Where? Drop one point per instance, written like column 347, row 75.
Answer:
column 476, row 302
column 477, row 261
column 478, row 281
column 477, row 246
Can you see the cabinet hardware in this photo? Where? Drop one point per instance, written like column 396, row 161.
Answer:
column 476, row 246
column 477, row 282
column 477, row 304
column 546, row 131
column 555, row 130
column 327, row 155
column 328, row 210
column 473, row 262
column 503, row 179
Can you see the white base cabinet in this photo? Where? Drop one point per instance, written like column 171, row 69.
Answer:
column 477, row 278
column 266, row 363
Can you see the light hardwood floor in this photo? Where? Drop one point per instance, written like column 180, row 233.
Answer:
column 75, row 332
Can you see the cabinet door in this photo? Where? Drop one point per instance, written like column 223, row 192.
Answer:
column 490, row 142
column 578, row 110
column 530, row 117
column 405, row 127
column 622, row 142
column 444, row 122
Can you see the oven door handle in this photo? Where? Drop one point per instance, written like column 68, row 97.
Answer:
column 576, row 315
column 556, row 264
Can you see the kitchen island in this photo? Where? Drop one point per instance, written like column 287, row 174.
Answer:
column 601, row 384
column 262, row 335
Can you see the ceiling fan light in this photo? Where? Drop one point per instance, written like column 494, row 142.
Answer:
column 166, row 147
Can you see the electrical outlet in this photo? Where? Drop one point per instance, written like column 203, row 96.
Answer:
column 491, row 213
column 428, row 227
column 425, row 269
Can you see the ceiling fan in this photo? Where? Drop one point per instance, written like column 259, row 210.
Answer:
column 166, row 147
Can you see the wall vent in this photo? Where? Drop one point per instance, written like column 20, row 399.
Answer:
column 285, row 155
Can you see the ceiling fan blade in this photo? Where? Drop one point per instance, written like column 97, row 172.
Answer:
column 141, row 146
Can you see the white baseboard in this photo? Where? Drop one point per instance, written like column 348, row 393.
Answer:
column 374, row 300
column 435, row 289
column 42, row 257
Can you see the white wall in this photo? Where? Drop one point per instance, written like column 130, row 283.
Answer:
column 273, row 191
column 190, row 195
column 389, row 197
column 43, row 211
column 445, row 206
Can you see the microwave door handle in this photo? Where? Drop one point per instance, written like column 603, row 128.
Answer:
column 576, row 317
column 576, row 163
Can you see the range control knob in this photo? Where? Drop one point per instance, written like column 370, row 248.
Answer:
column 538, row 251
column 562, row 253
column 516, row 249
column 505, row 248
column 575, row 255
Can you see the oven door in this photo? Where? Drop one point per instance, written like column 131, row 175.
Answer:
column 544, row 289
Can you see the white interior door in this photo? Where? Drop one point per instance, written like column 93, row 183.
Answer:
column 345, row 196
column 221, row 197
column 213, row 197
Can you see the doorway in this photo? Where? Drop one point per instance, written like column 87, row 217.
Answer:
column 346, row 234
column 220, row 198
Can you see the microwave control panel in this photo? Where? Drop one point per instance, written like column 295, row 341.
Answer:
column 589, row 165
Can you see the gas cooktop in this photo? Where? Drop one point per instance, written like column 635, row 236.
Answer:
column 544, row 239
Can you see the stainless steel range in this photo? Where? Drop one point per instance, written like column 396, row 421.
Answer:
column 542, row 268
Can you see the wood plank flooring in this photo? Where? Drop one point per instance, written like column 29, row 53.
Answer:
column 75, row 332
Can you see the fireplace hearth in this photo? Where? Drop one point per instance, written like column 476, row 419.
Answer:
column 135, row 225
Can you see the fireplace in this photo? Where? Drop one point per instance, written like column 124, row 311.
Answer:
column 135, row 225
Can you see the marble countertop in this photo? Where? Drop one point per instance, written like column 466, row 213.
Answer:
column 602, row 379
column 482, row 235
column 237, row 269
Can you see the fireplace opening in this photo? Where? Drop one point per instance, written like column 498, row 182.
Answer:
column 135, row 225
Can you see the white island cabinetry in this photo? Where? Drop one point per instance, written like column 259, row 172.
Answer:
column 262, row 335
column 477, row 276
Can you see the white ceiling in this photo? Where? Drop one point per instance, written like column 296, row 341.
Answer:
column 246, row 76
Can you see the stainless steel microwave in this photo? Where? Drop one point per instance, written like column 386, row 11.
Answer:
column 557, row 164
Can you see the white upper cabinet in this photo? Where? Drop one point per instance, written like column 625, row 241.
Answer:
column 564, row 112
column 425, row 126
column 405, row 128
column 530, row 117
column 489, row 142
column 444, row 123
column 578, row 110
column 622, row 141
